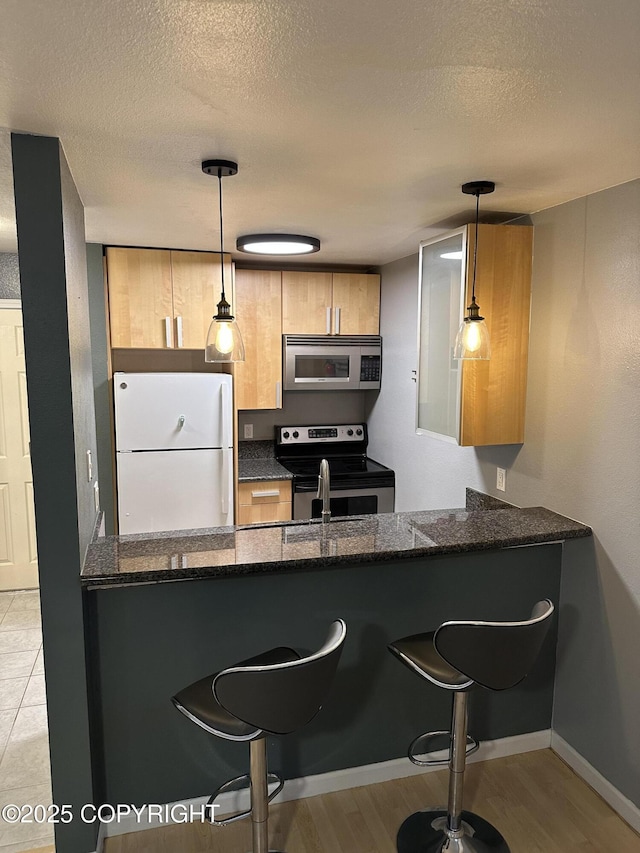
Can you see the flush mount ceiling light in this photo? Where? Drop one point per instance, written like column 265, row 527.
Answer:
column 278, row 244
column 472, row 340
column 224, row 341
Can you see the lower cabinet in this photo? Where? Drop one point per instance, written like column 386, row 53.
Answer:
column 265, row 500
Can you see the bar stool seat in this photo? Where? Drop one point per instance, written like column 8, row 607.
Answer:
column 199, row 702
column 273, row 693
column 459, row 656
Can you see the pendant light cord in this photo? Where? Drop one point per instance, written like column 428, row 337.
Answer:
column 222, row 236
column 475, row 250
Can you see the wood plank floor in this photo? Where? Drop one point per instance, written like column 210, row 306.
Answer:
column 536, row 801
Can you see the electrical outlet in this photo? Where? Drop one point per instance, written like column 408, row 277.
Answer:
column 501, row 479
column 248, row 430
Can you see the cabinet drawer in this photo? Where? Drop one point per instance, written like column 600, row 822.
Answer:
column 261, row 513
column 264, row 492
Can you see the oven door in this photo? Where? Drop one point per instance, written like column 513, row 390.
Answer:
column 360, row 501
column 321, row 367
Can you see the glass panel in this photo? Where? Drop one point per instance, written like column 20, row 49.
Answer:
column 441, row 266
column 322, row 367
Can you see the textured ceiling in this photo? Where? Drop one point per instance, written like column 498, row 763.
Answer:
column 354, row 121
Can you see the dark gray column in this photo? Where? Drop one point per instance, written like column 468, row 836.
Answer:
column 53, row 276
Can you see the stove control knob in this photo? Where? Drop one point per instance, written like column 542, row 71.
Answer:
column 358, row 432
column 285, row 434
column 349, row 432
column 296, row 434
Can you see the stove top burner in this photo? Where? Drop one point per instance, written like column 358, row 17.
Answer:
column 338, row 466
column 300, row 450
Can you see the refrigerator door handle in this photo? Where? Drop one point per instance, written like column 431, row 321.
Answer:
column 224, row 404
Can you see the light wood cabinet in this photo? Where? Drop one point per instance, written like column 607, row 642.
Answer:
column 140, row 297
column 318, row 303
column 264, row 501
column 258, row 308
column 475, row 403
column 163, row 299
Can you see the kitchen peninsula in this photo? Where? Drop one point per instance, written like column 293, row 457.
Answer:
column 252, row 588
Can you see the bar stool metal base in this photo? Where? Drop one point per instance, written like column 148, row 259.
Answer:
column 425, row 832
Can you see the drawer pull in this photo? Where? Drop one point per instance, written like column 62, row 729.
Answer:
column 266, row 493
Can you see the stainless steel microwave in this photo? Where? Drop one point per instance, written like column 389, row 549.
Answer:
column 332, row 362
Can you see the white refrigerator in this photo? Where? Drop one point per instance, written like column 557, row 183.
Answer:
column 174, row 451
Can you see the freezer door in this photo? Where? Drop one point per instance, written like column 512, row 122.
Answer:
column 163, row 411
column 174, row 490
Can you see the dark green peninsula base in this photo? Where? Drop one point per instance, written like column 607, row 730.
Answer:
column 147, row 641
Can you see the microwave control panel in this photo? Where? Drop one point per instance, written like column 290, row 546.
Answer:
column 370, row 368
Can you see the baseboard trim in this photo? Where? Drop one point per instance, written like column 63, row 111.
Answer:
column 627, row 810
column 102, row 834
column 339, row 780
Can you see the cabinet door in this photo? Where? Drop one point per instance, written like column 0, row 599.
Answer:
column 494, row 392
column 196, row 291
column 306, row 303
column 442, row 281
column 356, row 304
column 258, row 309
column 140, row 298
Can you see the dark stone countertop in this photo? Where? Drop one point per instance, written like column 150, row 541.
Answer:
column 255, row 470
column 309, row 545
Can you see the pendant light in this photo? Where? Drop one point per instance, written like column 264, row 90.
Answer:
column 472, row 340
column 224, row 341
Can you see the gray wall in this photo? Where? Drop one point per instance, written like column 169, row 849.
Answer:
column 53, row 272
column 9, row 276
column 580, row 456
column 305, row 407
column 99, row 356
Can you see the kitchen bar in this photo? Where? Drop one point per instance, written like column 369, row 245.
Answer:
column 256, row 587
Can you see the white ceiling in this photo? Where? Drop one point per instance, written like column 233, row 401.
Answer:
column 354, row 121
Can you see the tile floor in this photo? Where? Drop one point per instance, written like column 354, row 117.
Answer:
column 25, row 774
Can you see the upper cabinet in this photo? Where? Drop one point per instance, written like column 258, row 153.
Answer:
column 475, row 403
column 161, row 299
column 258, row 307
column 317, row 303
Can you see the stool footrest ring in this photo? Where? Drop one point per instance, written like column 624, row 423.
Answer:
column 233, row 785
column 421, row 741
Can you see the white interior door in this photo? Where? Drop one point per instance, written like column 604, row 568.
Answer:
column 18, row 556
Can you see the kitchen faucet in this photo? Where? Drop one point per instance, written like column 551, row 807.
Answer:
column 324, row 487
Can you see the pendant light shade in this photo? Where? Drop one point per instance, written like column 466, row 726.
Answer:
column 224, row 341
column 472, row 340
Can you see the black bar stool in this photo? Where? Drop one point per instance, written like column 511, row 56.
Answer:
column 276, row 693
column 459, row 656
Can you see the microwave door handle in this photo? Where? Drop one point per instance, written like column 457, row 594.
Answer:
column 328, row 320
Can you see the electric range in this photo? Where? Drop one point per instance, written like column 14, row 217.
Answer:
column 359, row 485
